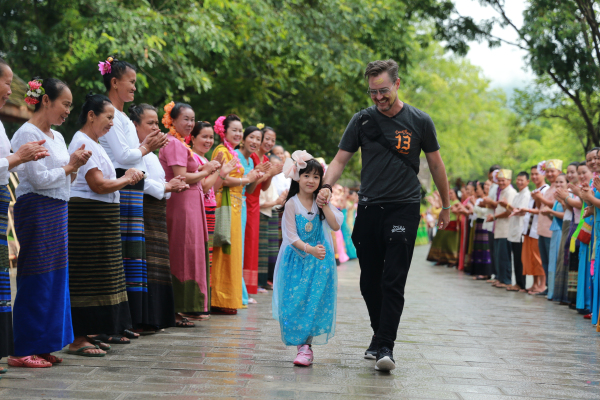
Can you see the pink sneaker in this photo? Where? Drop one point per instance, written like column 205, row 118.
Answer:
column 305, row 356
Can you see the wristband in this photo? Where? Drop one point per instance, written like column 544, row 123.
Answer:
column 446, row 208
column 145, row 148
column 222, row 177
column 327, row 186
column 241, row 184
column 305, row 244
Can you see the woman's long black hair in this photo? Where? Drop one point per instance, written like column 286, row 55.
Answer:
column 312, row 165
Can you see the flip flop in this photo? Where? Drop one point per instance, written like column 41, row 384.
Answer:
column 130, row 335
column 81, row 352
column 3, row 370
column 99, row 343
column 114, row 339
column 184, row 323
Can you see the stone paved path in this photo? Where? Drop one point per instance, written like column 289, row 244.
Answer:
column 459, row 339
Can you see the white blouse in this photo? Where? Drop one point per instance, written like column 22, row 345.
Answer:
column 100, row 160
column 46, row 176
column 121, row 143
column 154, row 184
column 4, row 152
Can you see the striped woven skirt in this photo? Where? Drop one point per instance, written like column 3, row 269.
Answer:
column 161, row 305
column 481, row 258
column 444, row 248
column 96, row 276
column 42, row 309
column 274, row 230
column 133, row 240
column 269, row 237
column 6, row 330
column 210, row 224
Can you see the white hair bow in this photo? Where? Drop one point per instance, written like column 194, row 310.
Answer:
column 293, row 165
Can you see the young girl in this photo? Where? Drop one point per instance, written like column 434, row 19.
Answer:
column 305, row 283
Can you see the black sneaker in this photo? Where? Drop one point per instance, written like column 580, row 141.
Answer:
column 385, row 360
column 371, row 353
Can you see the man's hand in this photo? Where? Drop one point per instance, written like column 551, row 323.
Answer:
column 443, row 219
column 323, row 197
column 489, row 218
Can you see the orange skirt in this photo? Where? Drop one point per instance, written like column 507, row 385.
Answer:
column 530, row 256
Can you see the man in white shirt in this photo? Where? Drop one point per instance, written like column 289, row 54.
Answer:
column 515, row 229
column 530, row 256
column 502, row 250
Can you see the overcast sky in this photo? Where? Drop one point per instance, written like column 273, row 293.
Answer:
column 504, row 66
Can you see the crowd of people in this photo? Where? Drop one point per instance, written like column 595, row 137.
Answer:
column 128, row 230
column 549, row 233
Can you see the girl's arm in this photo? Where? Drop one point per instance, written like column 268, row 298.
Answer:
column 190, row 177
column 557, row 214
column 330, row 217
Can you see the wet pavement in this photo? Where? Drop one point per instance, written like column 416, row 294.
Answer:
column 459, row 339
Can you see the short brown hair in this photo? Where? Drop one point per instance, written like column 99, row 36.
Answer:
column 375, row 68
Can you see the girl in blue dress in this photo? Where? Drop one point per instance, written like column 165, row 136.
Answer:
column 305, row 282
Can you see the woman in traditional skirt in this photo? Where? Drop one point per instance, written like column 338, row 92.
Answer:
column 27, row 152
column 252, row 265
column 249, row 145
column 202, row 139
column 156, row 192
column 42, row 313
column 464, row 226
column 572, row 207
column 269, row 231
column 125, row 151
column 481, row 259
column 96, row 277
column 227, row 260
column 444, row 248
column 556, row 213
column 186, row 218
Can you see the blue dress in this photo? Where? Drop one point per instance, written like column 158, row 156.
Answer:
column 584, row 282
column 347, row 233
column 248, row 166
column 556, row 229
column 306, row 288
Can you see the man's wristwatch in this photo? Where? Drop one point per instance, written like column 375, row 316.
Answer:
column 327, row 186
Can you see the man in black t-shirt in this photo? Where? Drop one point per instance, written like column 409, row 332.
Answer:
column 388, row 212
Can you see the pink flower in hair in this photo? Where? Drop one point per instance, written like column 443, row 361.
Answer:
column 104, row 67
column 220, row 127
column 34, row 85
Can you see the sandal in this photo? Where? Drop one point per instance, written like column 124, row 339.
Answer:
column 28, row 362
column 3, row 370
column 114, row 339
column 223, row 311
column 252, row 301
column 81, row 352
column 99, row 343
column 184, row 323
column 131, row 335
column 52, row 359
column 195, row 316
column 262, row 291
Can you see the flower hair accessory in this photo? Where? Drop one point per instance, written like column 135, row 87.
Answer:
column 541, row 167
column 260, row 126
column 219, row 129
column 34, row 91
column 167, row 121
column 293, row 165
column 105, row 67
column 495, row 175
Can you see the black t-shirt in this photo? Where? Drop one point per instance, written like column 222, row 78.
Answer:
column 384, row 178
